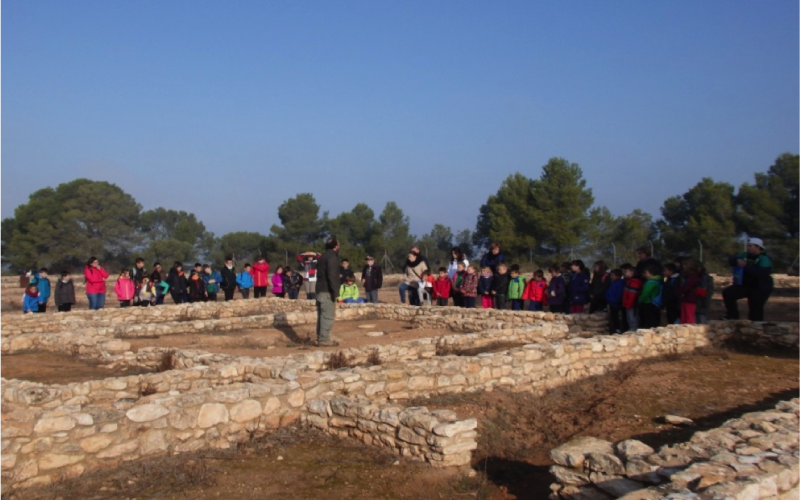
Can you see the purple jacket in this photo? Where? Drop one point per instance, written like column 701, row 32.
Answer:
column 277, row 283
column 556, row 285
column 578, row 289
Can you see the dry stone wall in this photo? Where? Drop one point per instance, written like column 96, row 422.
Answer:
column 752, row 457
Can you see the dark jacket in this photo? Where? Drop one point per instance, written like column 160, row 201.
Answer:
column 65, row 292
column 642, row 264
column 492, row 261
column 614, row 293
column 757, row 271
column 558, row 286
column 328, row 274
column 228, row 278
column 177, row 282
column 578, row 289
column 500, row 284
column 372, row 277
column 344, row 273
column 137, row 275
column 687, row 292
column 485, row 285
column 599, row 285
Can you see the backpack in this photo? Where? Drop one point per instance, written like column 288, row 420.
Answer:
column 658, row 300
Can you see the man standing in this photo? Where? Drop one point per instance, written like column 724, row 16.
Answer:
column 755, row 268
column 327, row 291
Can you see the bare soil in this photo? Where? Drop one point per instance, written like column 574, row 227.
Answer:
column 270, row 342
column 517, row 431
column 53, row 368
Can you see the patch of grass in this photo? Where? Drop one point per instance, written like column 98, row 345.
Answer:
column 75, row 351
column 455, row 350
column 338, row 360
column 167, row 361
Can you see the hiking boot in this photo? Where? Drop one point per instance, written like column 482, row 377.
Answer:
column 327, row 343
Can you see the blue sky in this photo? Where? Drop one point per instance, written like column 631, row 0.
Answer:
column 226, row 109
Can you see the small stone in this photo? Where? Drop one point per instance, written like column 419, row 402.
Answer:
column 146, row 412
column 375, row 334
column 632, row 448
column 676, row 420
column 280, row 457
column 573, row 453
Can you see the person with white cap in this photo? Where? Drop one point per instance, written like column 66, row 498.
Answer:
column 756, row 284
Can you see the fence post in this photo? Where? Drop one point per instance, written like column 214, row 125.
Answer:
column 701, row 250
column 615, row 254
column 286, row 260
column 649, row 242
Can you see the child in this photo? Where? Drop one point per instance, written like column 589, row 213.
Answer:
column 245, row 281
column 630, row 294
column 345, row 271
column 598, row 286
column 425, row 287
column 671, row 303
column 348, row 292
column 30, row 301
column 65, row 292
column 197, row 287
column 566, row 274
column 485, row 288
column 260, row 272
column 295, row 283
column 500, row 286
column 469, row 287
column 124, row 288
column 372, row 279
column 687, row 292
column 147, row 293
column 556, row 290
column 614, row 301
column 516, row 289
column 651, row 298
column 441, row 287
column 578, row 287
column 705, row 291
column 277, row 283
column 43, row 286
column 536, row 291
column 212, row 279
column 458, row 279
column 162, row 289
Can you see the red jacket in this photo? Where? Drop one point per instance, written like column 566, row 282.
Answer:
column 441, row 288
column 535, row 291
column 633, row 287
column 95, row 279
column 259, row 272
column 688, row 291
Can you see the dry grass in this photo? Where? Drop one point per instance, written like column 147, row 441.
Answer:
column 167, row 361
column 374, row 358
column 443, row 349
column 338, row 360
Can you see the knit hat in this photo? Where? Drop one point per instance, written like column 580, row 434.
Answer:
column 756, row 241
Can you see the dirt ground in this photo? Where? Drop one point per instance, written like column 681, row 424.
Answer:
column 269, row 342
column 53, row 368
column 517, row 431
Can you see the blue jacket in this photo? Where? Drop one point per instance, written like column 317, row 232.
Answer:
column 244, row 280
column 484, row 285
column 492, row 261
column 43, row 285
column 578, row 289
column 30, row 303
column 614, row 293
column 212, row 287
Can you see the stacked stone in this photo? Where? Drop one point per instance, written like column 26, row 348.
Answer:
column 437, row 437
column 752, row 457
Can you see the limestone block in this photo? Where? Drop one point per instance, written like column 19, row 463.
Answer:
column 632, row 448
column 245, row 411
column 212, row 414
column 453, row 428
column 153, row 441
column 271, row 405
column 93, row 444
column 572, row 453
column 146, row 412
column 51, row 425
column 615, row 485
column 566, row 475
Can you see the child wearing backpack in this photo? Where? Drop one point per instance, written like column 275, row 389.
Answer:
column 516, row 289
column 616, row 316
column 671, row 303
column 295, row 280
column 651, row 298
column 630, row 295
column 536, row 291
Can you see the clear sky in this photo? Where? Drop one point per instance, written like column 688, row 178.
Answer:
column 226, row 109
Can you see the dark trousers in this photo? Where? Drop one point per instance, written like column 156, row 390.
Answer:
column 517, row 304
column 673, row 312
column 413, row 297
column 616, row 320
column 229, row 294
column 535, row 306
column 124, row 303
column 259, row 291
column 441, row 302
column 245, row 293
column 469, row 302
column 177, row 297
column 293, row 293
column 598, row 304
column 281, row 295
column 42, row 308
column 458, row 299
column 500, row 302
column 65, row 308
column 649, row 316
column 556, row 308
column 159, row 300
column 212, row 297
column 756, row 300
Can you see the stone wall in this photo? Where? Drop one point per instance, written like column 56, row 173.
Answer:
column 752, row 457
column 437, row 437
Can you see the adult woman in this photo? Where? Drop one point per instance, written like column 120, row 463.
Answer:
column 492, row 258
column 456, row 256
column 412, row 275
column 95, row 283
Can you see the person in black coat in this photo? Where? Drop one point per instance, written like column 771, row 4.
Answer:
column 228, row 273
column 372, row 279
column 178, row 284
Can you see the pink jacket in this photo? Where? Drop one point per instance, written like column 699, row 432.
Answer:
column 277, row 283
column 124, row 289
column 95, row 279
column 259, row 272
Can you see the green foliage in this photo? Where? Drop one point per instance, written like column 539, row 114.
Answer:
column 354, row 230
column 301, row 223
column 245, row 246
column 463, row 240
column 706, row 214
column 63, row 227
column 170, row 235
column 549, row 213
column 392, row 235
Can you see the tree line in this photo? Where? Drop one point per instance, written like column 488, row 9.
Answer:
column 550, row 218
